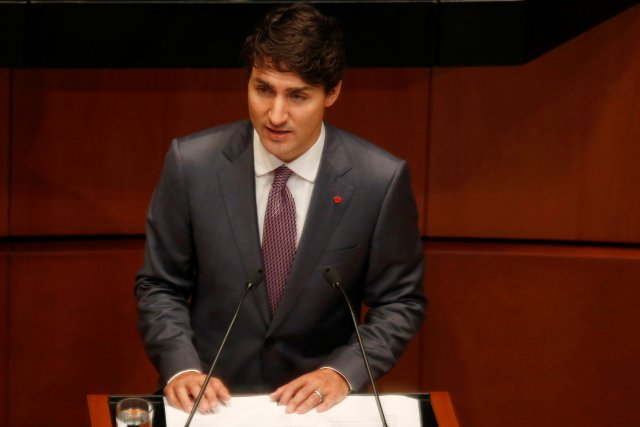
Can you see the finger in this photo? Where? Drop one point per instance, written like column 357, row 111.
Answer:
column 214, row 393
column 312, row 401
column 184, row 398
column 287, row 395
column 288, row 391
column 170, row 394
column 304, row 396
column 210, row 396
column 222, row 392
column 330, row 400
column 277, row 395
column 194, row 389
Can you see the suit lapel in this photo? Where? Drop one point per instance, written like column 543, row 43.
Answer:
column 322, row 218
column 237, row 181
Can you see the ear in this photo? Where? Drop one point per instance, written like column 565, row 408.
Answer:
column 332, row 96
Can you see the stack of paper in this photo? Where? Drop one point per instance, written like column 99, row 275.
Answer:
column 260, row 411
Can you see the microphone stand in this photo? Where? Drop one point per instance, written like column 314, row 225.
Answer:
column 333, row 278
column 252, row 283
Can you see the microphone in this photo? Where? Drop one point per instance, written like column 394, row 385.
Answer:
column 333, row 278
column 254, row 280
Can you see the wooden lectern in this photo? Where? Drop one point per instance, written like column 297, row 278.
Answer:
column 436, row 408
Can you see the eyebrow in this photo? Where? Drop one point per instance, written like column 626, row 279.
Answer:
column 289, row 90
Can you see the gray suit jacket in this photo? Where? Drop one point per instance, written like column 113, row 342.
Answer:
column 203, row 244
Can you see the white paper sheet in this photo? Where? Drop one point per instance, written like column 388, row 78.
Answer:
column 260, row 411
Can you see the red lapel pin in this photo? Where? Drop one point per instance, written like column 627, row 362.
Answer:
column 337, row 200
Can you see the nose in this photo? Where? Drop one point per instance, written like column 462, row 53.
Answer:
column 278, row 112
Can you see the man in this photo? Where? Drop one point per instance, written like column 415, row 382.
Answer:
column 288, row 194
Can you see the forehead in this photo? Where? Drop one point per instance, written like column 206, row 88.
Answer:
column 280, row 79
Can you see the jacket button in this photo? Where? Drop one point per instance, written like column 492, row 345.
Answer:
column 269, row 342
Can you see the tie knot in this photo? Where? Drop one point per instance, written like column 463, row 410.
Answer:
column 281, row 177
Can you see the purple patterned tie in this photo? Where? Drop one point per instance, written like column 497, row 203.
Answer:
column 279, row 236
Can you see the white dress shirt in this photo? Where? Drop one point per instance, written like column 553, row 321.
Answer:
column 300, row 184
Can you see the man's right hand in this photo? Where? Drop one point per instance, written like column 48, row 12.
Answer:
column 183, row 390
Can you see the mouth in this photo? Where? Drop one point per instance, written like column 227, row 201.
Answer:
column 277, row 134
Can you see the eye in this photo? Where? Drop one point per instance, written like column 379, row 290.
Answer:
column 264, row 90
column 298, row 97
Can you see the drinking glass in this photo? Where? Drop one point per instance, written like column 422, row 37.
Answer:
column 134, row 411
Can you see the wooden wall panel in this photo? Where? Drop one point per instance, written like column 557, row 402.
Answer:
column 4, row 328
column 546, row 150
column 4, row 151
column 88, row 145
column 389, row 107
column 72, row 330
column 534, row 335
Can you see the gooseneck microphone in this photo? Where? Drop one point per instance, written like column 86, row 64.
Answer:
column 333, row 278
column 254, row 280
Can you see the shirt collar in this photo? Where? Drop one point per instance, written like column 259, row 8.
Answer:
column 306, row 166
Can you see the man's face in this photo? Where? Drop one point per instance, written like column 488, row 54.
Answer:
column 286, row 111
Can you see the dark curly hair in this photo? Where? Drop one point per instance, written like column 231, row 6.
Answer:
column 298, row 38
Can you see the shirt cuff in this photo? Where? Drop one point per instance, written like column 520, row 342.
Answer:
column 180, row 373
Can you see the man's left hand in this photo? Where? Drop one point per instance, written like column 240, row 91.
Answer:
column 320, row 389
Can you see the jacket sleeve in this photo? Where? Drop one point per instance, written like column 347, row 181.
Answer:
column 166, row 280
